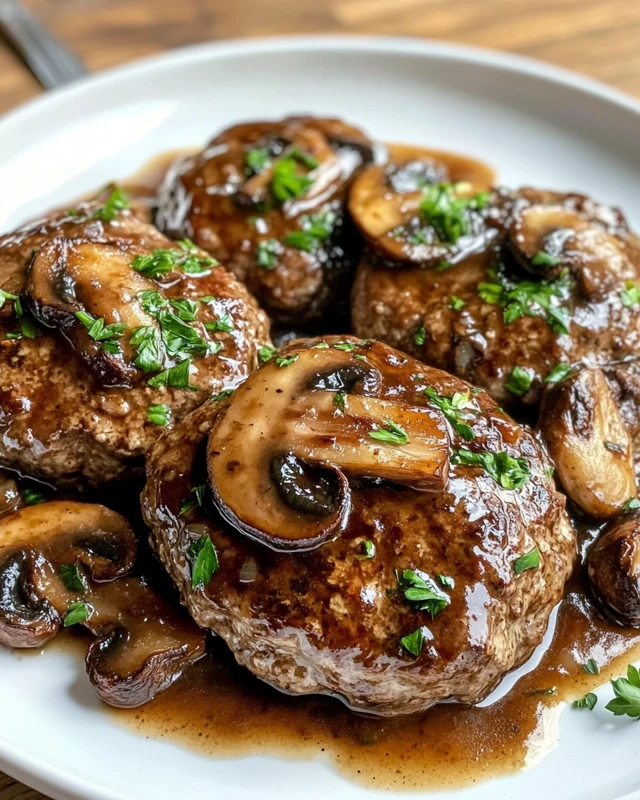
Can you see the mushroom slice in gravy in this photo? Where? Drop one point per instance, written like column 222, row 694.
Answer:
column 281, row 454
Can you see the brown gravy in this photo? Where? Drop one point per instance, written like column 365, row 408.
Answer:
column 222, row 711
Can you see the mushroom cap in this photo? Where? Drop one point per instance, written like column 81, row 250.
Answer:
column 481, row 334
column 143, row 644
column 331, row 619
column 226, row 207
column 58, row 419
column 614, row 569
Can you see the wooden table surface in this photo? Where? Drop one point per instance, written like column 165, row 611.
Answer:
column 597, row 37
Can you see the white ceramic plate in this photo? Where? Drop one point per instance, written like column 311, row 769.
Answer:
column 534, row 123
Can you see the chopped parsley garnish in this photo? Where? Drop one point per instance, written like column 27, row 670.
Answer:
column 266, row 352
column 222, row 325
column 159, row 414
column 630, row 295
column 627, row 694
column 114, row 204
column 161, row 262
column 187, row 310
column 443, row 265
column 320, row 346
column 545, row 259
column 456, row 303
column 286, row 361
column 77, row 612
column 420, row 336
column 32, row 498
column 72, row 578
column 148, row 342
column 413, row 642
column 520, row 381
column 28, row 328
column 195, row 499
column 423, row 595
column 100, row 332
column 267, row 253
column 558, row 373
column 6, row 296
column 588, row 701
column 257, row 160
column 339, row 399
column 152, row 301
column 446, row 212
column 176, row 377
column 368, row 549
column 287, row 182
column 446, row 581
column 530, row 298
column 347, row 347
column 530, row 560
column 224, row 394
column 315, row 230
column 509, row 472
column 205, row 562
column 591, row 667
column 391, row 433
column 453, row 410
column 631, row 504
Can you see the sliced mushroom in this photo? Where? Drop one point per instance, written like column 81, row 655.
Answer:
column 63, row 558
column 548, row 238
column 34, row 543
column 589, row 443
column 73, row 275
column 280, row 455
column 614, row 569
column 315, row 158
column 386, row 203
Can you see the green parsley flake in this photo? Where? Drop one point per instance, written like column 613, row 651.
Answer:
column 453, row 409
column 257, row 160
column 225, row 394
column 446, row 581
column 520, row 380
column 194, row 500
column 287, row 182
column 447, row 213
column 159, row 414
column 100, row 332
column 187, row 310
column 320, row 346
column 368, row 550
column 339, row 399
column 591, row 667
column 266, row 352
column 76, row 613
column 316, row 229
column 631, row 505
column 347, row 347
column 456, row 303
column 542, row 258
column 32, row 498
column 420, row 336
column 267, row 252
column 286, row 361
column 630, row 295
column 511, row 473
column 543, row 298
column 148, row 343
column 176, row 377
column 558, row 373
column 222, row 325
column 530, row 560
column 422, row 593
column 413, row 642
column 588, row 701
column 161, row 262
column 205, row 562
column 72, row 578
column 114, row 204
column 391, row 433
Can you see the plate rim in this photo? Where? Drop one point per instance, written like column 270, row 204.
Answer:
column 15, row 761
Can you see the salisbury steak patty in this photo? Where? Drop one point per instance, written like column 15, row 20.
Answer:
column 109, row 331
column 380, row 531
column 268, row 200
column 529, row 281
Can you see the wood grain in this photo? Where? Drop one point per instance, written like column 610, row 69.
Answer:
column 597, row 37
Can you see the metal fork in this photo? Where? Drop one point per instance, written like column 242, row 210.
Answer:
column 51, row 62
